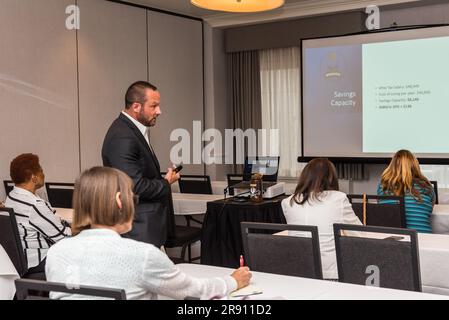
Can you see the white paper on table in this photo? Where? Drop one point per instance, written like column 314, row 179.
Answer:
column 246, row 291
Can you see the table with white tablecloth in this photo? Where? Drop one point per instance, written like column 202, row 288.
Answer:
column 8, row 275
column 440, row 219
column 434, row 262
column 295, row 288
column 192, row 204
column 183, row 204
column 219, row 186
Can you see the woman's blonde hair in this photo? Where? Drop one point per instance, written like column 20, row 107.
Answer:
column 401, row 175
column 94, row 199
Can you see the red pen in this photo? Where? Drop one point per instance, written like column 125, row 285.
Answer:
column 242, row 262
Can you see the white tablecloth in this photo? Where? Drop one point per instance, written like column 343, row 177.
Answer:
column 434, row 261
column 294, row 288
column 7, row 276
column 183, row 204
column 191, row 204
column 440, row 219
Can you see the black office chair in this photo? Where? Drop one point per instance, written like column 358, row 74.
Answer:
column 60, row 195
column 11, row 242
column 181, row 236
column 233, row 179
column 195, row 184
column 381, row 211
column 9, row 185
column 388, row 262
column 26, row 290
column 297, row 255
column 435, row 189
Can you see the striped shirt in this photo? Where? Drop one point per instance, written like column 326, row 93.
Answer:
column 38, row 225
column 417, row 214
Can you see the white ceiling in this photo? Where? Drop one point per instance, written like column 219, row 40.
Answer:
column 291, row 10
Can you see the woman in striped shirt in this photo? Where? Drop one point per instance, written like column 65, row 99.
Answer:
column 403, row 177
column 39, row 227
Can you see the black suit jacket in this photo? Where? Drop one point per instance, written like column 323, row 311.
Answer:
column 126, row 149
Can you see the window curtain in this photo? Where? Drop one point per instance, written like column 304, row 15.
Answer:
column 352, row 171
column 281, row 104
column 244, row 91
column 244, row 76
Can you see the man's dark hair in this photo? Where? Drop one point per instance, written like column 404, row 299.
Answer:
column 136, row 93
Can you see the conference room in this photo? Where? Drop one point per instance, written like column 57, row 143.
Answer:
column 259, row 150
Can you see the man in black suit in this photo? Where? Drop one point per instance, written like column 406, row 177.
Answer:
column 127, row 147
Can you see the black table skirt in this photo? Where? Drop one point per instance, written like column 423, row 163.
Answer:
column 221, row 239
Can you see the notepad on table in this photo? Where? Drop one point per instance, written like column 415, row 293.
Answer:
column 247, row 291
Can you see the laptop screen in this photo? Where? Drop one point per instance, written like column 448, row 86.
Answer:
column 268, row 166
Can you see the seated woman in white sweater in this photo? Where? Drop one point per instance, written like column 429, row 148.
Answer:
column 98, row 256
column 317, row 202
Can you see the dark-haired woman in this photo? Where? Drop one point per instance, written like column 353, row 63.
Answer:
column 39, row 227
column 317, row 202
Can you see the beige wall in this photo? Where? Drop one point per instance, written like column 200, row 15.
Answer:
column 40, row 65
column 112, row 55
column 38, row 87
column 176, row 68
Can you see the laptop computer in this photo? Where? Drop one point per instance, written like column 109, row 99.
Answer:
column 267, row 166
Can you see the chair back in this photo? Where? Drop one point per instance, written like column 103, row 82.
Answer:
column 26, row 290
column 10, row 240
column 60, row 195
column 292, row 255
column 233, row 179
column 9, row 185
column 195, row 184
column 378, row 256
column 381, row 211
column 435, row 189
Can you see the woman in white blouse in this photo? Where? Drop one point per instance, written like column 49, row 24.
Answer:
column 317, row 202
column 98, row 256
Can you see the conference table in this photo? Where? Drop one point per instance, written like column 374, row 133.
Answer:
column 219, row 186
column 275, row 287
column 184, row 204
column 433, row 249
column 434, row 262
column 440, row 219
column 8, row 275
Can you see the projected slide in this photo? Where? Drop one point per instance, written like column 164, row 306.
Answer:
column 407, row 97
column 370, row 95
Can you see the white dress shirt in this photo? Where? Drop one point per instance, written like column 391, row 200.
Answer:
column 100, row 257
column 332, row 207
column 142, row 128
column 39, row 227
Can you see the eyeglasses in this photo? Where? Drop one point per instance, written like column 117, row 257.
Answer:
column 136, row 199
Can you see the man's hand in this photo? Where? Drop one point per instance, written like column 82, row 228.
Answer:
column 171, row 176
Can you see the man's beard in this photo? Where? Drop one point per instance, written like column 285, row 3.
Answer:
column 146, row 122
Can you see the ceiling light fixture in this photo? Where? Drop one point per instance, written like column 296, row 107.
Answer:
column 238, row 5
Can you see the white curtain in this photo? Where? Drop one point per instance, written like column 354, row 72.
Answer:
column 281, row 104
